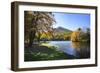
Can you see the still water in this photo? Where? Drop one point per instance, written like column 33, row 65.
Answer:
column 77, row 49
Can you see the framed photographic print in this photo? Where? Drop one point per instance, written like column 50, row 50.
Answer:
column 52, row 36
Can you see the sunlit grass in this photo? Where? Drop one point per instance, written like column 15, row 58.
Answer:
column 49, row 45
column 50, row 53
column 55, row 55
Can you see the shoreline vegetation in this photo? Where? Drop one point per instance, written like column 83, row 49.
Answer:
column 39, row 27
column 45, row 52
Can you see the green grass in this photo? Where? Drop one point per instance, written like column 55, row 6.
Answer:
column 51, row 54
column 49, row 46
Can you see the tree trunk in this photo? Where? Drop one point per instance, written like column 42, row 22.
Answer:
column 31, row 37
column 38, row 37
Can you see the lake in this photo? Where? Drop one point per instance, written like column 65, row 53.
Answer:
column 77, row 49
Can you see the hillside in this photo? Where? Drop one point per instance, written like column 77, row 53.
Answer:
column 61, row 30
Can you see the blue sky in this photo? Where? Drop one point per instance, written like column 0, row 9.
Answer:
column 72, row 21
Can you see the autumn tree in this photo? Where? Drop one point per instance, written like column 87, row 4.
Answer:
column 80, row 35
column 76, row 35
column 37, row 23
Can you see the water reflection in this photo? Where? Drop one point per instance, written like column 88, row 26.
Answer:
column 82, row 49
column 77, row 49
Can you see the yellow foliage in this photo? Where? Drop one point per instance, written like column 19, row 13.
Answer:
column 75, row 36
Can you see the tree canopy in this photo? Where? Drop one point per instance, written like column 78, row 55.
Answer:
column 37, row 23
column 80, row 35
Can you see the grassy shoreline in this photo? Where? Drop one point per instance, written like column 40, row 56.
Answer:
column 44, row 52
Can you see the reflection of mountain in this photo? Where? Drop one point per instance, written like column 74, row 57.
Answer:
column 61, row 30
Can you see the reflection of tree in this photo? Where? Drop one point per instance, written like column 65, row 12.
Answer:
column 37, row 23
column 82, row 49
column 76, row 45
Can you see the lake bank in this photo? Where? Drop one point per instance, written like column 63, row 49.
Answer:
column 40, row 53
column 57, row 50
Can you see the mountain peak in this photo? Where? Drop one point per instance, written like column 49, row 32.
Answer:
column 62, row 29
